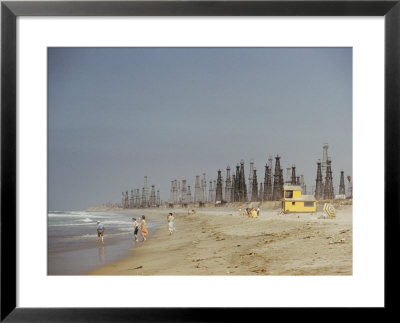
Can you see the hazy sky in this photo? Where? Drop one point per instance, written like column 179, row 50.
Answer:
column 118, row 114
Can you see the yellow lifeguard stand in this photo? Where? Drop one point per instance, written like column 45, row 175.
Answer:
column 294, row 201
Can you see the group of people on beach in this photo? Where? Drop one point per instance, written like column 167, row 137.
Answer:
column 252, row 212
column 143, row 230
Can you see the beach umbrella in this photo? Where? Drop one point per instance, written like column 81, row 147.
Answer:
column 329, row 210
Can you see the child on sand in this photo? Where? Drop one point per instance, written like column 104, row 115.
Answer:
column 136, row 229
column 171, row 226
column 100, row 231
column 143, row 228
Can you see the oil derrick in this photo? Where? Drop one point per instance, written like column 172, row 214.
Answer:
column 210, row 193
column 342, row 189
column 293, row 179
column 183, row 192
column 350, row 187
column 126, row 201
column 228, row 185
column 298, row 180
column 143, row 202
column 268, row 183
column 281, row 182
column 237, row 185
column 178, row 192
column 214, row 190
column 233, row 188
column 319, row 185
column 137, row 198
column 218, row 192
column 176, row 189
column 189, row 195
column 251, row 173
column 254, row 189
column 270, row 163
column 197, row 190
column 204, row 189
column 328, row 188
column 152, row 201
column 173, row 199
column 242, row 184
column 123, row 200
column 325, row 158
column 171, row 193
column 277, row 191
column 158, row 201
column 131, row 200
column 261, row 193
column 145, row 194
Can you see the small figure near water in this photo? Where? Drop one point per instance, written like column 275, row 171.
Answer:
column 143, row 228
column 136, row 229
column 171, row 226
column 100, row 231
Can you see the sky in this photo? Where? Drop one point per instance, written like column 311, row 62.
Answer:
column 116, row 115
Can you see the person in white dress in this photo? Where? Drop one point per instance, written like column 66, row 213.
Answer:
column 171, row 226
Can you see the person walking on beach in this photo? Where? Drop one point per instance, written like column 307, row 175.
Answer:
column 100, row 231
column 143, row 228
column 171, row 226
column 136, row 229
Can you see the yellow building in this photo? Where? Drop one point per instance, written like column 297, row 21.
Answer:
column 294, row 201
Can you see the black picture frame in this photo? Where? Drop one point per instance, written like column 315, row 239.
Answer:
column 10, row 10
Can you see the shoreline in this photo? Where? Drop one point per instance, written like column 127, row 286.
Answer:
column 220, row 241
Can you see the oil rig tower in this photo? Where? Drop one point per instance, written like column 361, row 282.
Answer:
column 158, row 202
column 261, row 193
column 236, row 184
column 342, row 189
column 132, row 200
column 268, row 183
column 197, row 190
column 254, row 189
column 319, row 185
column 328, row 187
column 278, row 181
column 136, row 198
column 183, row 192
column 204, row 189
column 325, row 158
column 218, row 192
column 211, row 195
column 189, row 195
column 233, row 183
column 228, row 185
column 152, row 201
column 242, row 184
column 293, row 180
column 251, row 174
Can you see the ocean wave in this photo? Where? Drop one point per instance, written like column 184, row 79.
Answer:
column 71, row 224
column 91, row 236
column 85, row 220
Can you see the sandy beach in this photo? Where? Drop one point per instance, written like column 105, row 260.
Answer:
column 222, row 241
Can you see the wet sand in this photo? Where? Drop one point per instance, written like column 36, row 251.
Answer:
column 222, row 241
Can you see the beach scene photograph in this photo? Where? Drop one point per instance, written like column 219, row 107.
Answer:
column 200, row 161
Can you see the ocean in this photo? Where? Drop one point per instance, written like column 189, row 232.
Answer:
column 72, row 240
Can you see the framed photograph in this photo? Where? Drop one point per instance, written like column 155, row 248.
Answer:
column 255, row 145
